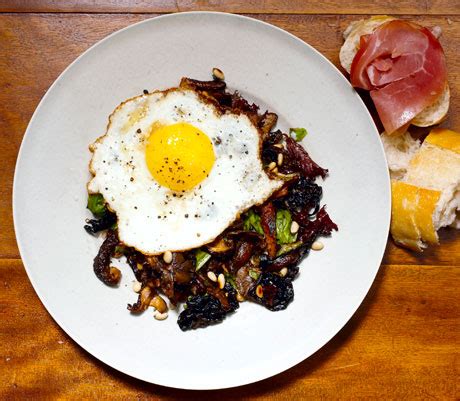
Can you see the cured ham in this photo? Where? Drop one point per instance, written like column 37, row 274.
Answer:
column 404, row 68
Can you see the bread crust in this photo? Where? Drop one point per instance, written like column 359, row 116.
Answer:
column 427, row 196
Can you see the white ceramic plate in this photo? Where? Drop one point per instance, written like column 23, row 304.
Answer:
column 271, row 67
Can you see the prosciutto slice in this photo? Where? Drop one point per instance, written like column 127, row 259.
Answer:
column 403, row 66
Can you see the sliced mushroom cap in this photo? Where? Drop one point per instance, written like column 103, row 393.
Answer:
column 143, row 300
column 267, row 123
column 220, row 245
column 208, row 86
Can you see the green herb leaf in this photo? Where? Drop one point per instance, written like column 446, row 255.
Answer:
column 230, row 279
column 252, row 222
column 283, row 227
column 254, row 274
column 96, row 204
column 299, row 133
column 201, row 258
column 286, row 248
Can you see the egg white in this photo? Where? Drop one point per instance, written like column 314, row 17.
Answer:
column 154, row 219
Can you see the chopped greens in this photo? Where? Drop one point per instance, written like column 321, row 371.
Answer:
column 230, row 279
column 252, row 222
column 201, row 258
column 96, row 204
column 299, row 133
column 286, row 248
column 283, row 227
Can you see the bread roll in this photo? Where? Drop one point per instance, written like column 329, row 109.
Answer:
column 427, row 195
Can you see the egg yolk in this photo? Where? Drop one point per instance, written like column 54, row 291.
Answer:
column 179, row 156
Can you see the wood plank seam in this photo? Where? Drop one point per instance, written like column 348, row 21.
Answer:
column 249, row 14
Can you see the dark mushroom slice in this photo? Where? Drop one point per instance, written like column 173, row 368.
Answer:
column 286, row 260
column 242, row 234
column 244, row 282
column 182, row 268
column 109, row 275
column 268, row 223
column 242, row 254
column 145, row 268
column 167, row 280
column 205, row 86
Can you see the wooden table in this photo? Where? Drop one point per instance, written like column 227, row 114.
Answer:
column 403, row 343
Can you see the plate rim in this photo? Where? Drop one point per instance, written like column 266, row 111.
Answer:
column 21, row 246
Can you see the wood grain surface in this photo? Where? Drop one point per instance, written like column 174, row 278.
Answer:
column 400, row 7
column 403, row 343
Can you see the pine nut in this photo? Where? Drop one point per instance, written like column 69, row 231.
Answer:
column 278, row 145
column 160, row 316
column 271, row 166
column 294, row 227
column 159, row 304
column 136, row 286
column 139, row 266
column 167, row 257
column 317, row 246
column 221, row 280
column 283, row 271
column 275, row 170
column 280, row 159
column 259, row 291
column 212, row 276
column 239, row 298
column 218, row 74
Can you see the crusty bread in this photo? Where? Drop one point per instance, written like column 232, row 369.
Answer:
column 427, row 196
column 431, row 115
column 437, row 166
column 411, row 215
column 436, row 113
column 399, row 150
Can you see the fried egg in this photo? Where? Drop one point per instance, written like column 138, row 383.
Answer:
column 177, row 171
